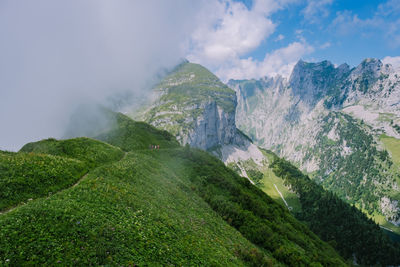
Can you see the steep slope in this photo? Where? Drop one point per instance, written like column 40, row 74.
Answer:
column 195, row 106
column 329, row 120
column 357, row 236
column 26, row 176
column 93, row 152
column 172, row 206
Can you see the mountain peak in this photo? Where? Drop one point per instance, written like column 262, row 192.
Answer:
column 369, row 65
column 311, row 81
column 301, row 64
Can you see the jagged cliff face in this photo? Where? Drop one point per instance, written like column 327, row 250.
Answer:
column 195, row 106
column 330, row 121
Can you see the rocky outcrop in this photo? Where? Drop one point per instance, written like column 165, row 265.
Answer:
column 311, row 82
column 214, row 127
column 194, row 105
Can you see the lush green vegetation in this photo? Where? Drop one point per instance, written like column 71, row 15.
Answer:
column 393, row 146
column 396, row 127
column 88, row 150
column 253, row 213
column 193, row 83
column 352, row 166
column 131, row 135
column 26, row 176
column 173, row 206
column 270, row 180
column 135, row 211
column 343, row 226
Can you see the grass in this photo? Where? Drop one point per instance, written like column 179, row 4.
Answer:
column 130, row 212
column 268, row 187
column 130, row 135
column 26, row 176
column 85, row 149
column 173, row 206
column 393, row 146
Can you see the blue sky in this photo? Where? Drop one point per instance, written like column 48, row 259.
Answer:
column 341, row 31
column 328, row 38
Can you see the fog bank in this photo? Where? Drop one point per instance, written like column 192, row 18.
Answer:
column 58, row 55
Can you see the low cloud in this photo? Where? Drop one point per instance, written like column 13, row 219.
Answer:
column 56, row 55
column 279, row 62
column 394, row 61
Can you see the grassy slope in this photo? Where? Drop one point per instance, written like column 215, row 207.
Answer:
column 342, row 225
column 253, row 213
column 268, row 182
column 393, row 146
column 129, row 212
column 194, row 83
column 158, row 207
column 131, row 135
column 26, row 176
column 88, row 150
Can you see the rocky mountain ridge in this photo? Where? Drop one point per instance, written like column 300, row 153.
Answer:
column 330, row 121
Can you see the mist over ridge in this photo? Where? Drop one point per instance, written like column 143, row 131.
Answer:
column 58, row 55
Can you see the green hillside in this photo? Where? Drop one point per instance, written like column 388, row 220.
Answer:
column 192, row 83
column 91, row 151
column 172, row 206
column 343, row 226
column 132, row 135
column 26, row 176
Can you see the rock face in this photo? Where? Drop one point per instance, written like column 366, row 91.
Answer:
column 332, row 122
column 194, row 105
column 211, row 128
column 311, row 82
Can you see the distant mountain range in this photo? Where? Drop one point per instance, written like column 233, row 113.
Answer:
column 338, row 124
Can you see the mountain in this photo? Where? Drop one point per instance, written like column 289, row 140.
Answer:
column 125, row 203
column 259, row 165
column 339, row 124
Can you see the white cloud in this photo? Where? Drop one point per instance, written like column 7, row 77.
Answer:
column 280, row 61
column 391, row 7
column 280, row 37
column 316, row 9
column 394, row 61
column 347, row 23
column 325, row 45
column 229, row 31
